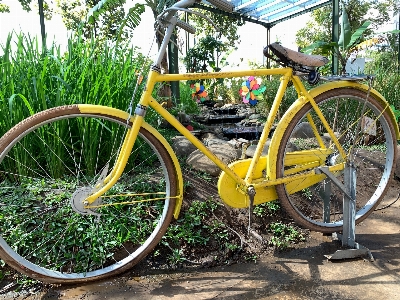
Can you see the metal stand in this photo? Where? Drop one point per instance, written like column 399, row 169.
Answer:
column 349, row 212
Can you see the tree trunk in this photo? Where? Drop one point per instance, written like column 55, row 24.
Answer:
column 42, row 27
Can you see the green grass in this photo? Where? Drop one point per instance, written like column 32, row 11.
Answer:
column 86, row 72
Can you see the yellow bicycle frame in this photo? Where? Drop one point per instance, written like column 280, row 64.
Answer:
column 235, row 171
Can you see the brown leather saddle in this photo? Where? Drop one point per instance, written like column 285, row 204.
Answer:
column 296, row 60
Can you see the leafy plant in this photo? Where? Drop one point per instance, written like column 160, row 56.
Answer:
column 396, row 112
column 251, row 257
column 284, row 235
column 207, row 55
column 130, row 20
column 176, row 257
column 267, row 209
column 347, row 43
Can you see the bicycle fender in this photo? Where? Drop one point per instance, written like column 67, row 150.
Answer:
column 88, row 108
column 300, row 102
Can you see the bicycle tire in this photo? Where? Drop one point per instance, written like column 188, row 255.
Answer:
column 52, row 160
column 374, row 157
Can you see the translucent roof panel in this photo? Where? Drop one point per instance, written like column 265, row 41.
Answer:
column 272, row 11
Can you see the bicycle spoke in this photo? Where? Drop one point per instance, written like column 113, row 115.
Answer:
column 304, row 199
column 55, row 165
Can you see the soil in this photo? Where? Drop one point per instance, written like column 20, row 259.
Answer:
column 260, row 271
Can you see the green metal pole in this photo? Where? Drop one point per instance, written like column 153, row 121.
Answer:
column 335, row 34
column 398, row 47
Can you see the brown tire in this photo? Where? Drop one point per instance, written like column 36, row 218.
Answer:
column 374, row 152
column 48, row 164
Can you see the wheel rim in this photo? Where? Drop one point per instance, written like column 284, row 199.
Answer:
column 42, row 231
column 308, row 203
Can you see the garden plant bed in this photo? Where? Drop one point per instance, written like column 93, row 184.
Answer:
column 256, row 267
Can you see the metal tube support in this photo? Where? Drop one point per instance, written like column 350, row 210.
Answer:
column 325, row 193
column 349, row 206
column 349, row 212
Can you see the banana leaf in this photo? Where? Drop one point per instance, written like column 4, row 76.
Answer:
column 357, row 35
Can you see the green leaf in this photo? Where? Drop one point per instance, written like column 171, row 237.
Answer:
column 355, row 38
column 324, row 46
column 259, row 97
column 66, row 85
column 345, row 33
column 26, row 102
column 132, row 19
column 133, row 15
column 101, row 7
column 395, row 112
column 4, row 8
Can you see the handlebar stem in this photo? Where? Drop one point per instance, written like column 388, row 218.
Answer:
column 180, row 4
column 171, row 20
column 167, row 37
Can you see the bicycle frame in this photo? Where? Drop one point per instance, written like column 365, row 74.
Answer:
column 242, row 183
column 252, row 168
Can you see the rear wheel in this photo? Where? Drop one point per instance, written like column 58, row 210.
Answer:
column 319, row 205
column 49, row 164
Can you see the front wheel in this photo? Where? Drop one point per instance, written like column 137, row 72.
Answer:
column 363, row 131
column 49, row 163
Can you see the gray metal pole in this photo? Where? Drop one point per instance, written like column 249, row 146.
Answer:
column 173, row 67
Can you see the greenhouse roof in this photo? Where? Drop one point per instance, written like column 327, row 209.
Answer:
column 271, row 12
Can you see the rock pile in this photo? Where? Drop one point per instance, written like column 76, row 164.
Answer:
column 228, row 150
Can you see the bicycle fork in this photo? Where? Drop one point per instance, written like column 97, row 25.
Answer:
column 126, row 148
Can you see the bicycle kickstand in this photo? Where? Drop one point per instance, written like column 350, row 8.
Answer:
column 251, row 191
column 349, row 213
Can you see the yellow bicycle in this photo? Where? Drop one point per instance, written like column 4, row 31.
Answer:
column 60, row 201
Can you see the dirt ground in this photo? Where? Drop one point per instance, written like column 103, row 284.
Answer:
column 301, row 273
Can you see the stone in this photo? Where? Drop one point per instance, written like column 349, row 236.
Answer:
column 252, row 149
column 214, row 141
column 290, row 147
column 254, row 116
column 183, row 118
column 326, row 137
column 182, row 146
column 201, row 162
column 237, row 143
column 303, row 131
column 208, row 135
